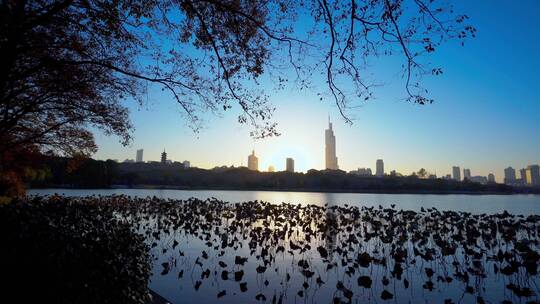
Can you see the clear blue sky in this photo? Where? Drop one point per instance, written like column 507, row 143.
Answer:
column 486, row 115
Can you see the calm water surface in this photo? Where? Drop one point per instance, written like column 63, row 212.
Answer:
column 184, row 282
column 515, row 204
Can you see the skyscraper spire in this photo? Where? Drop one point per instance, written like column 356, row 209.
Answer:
column 329, row 123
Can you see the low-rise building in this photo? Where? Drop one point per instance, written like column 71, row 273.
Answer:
column 479, row 179
column 362, row 172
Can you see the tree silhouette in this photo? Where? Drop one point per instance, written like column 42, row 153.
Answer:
column 68, row 66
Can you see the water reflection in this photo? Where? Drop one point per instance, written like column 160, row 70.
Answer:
column 217, row 252
column 210, row 252
column 477, row 204
column 330, row 235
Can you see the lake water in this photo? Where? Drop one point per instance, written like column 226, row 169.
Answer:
column 194, row 255
column 515, row 204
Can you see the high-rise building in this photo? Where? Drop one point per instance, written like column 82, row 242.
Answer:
column 186, row 164
column 456, row 173
column 523, row 176
column 330, row 148
column 253, row 162
column 139, row 157
column 164, row 157
column 466, row 174
column 379, row 168
column 491, row 178
column 533, row 175
column 509, row 176
column 289, row 166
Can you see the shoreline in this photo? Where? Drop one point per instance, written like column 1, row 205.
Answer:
column 366, row 191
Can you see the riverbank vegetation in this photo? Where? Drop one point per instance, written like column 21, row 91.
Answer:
column 60, row 250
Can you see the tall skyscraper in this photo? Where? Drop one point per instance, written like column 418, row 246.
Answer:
column 523, row 176
column 253, row 162
column 509, row 176
column 456, row 173
column 533, row 175
column 330, row 148
column 467, row 174
column 491, row 178
column 379, row 168
column 289, row 166
column 139, row 157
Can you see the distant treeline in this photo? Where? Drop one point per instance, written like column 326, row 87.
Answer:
column 75, row 173
column 90, row 173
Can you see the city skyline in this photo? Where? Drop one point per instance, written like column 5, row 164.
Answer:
column 498, row 118
column 276, row 159
column 529, row 175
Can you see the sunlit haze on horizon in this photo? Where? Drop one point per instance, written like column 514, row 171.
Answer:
column 485, row 116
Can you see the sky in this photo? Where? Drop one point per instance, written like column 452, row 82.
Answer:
column 486, row 114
